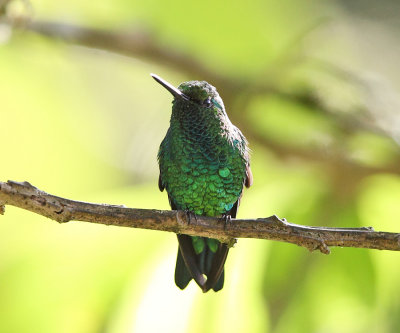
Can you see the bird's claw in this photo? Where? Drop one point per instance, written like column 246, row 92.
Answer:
column 227, row 221
column 190, row 215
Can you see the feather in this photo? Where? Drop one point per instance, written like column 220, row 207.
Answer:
column 160, row 183
column 249, row 177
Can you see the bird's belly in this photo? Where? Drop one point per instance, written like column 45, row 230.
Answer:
column 205, row 190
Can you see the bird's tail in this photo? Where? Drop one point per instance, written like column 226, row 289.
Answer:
column 209, row 262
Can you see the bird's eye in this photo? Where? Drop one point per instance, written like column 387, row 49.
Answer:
column 207, row 102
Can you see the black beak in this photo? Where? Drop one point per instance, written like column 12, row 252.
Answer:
column 174, row 91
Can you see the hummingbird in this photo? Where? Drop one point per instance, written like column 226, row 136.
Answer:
column 204, row 163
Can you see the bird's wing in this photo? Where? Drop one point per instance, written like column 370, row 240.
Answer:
column 249, row 177
column 160, row 183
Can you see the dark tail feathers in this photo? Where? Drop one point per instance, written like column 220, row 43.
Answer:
column 191, row 265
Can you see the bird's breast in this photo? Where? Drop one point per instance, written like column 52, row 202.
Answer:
column 204, row 178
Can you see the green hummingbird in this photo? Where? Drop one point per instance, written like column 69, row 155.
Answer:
column 204, row 166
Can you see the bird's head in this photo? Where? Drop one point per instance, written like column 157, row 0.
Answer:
column 200, row 93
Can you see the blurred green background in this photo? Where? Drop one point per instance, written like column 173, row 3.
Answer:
column 314, row 86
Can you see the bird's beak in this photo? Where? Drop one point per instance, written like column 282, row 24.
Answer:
column 174, row 91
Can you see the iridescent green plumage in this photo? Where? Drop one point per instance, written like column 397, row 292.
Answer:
column 204, row 164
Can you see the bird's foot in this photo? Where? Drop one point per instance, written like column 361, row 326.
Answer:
column 190, row 215
column 227, row 220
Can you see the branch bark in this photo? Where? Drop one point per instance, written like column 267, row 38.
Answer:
column 28, row 197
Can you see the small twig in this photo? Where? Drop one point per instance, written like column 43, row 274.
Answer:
column 28, row 197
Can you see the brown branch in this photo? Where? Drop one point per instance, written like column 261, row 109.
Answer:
column 26, row 196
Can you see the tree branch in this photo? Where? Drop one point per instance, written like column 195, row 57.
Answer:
column 28, row 197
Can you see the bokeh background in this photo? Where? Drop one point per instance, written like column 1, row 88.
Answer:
column 313, row 85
